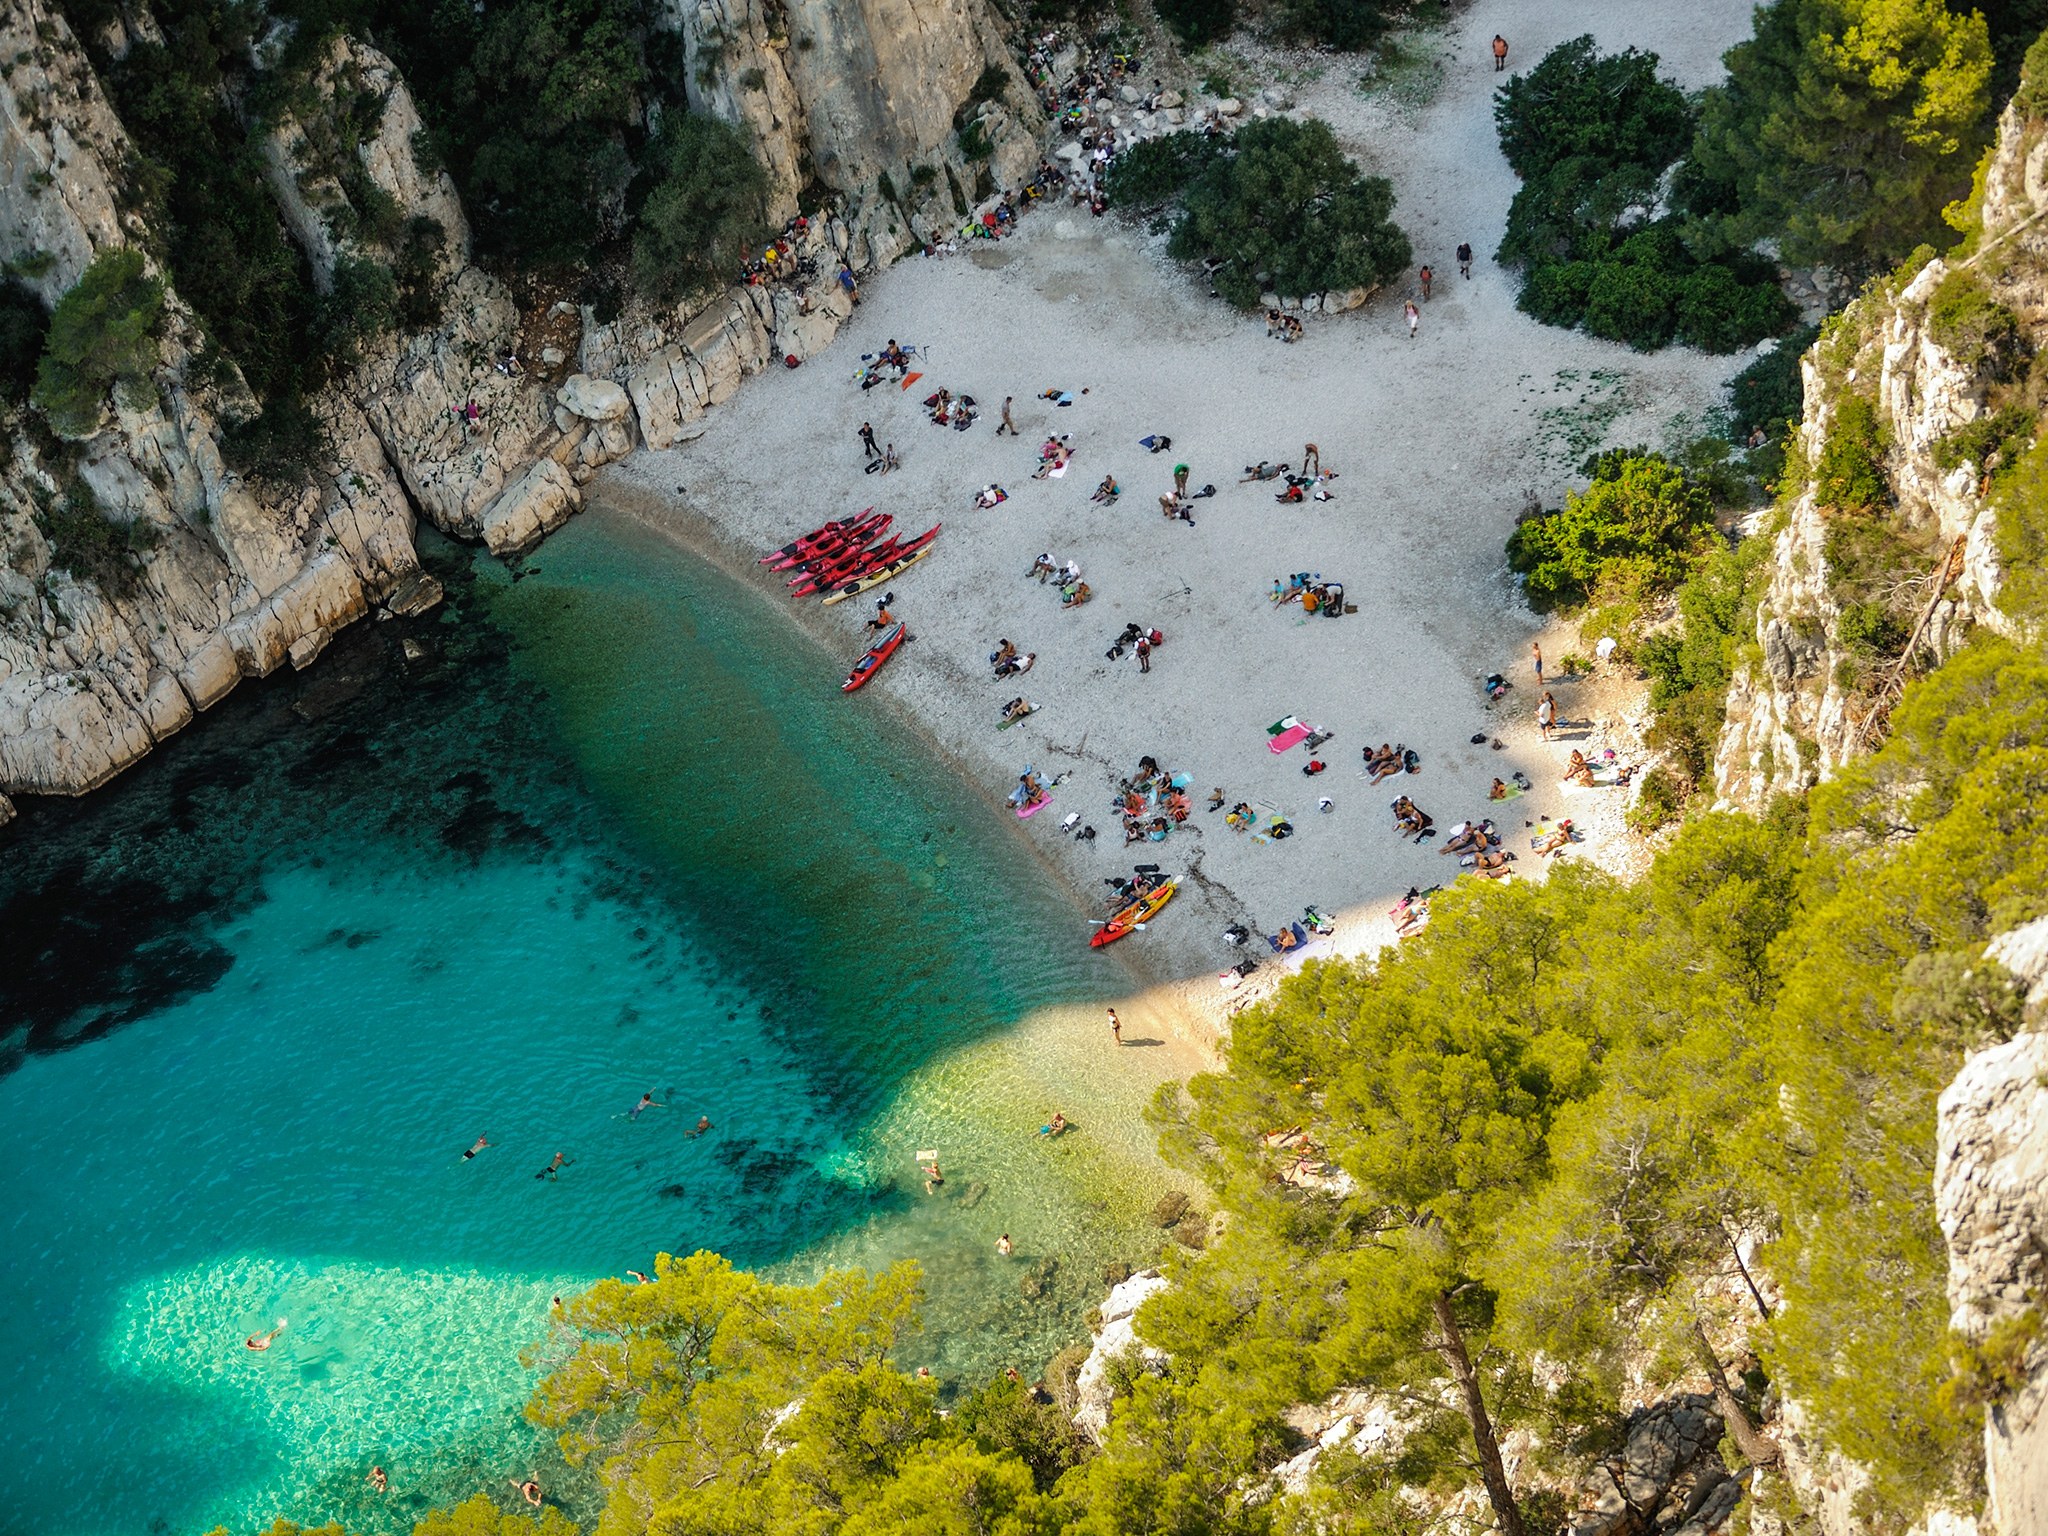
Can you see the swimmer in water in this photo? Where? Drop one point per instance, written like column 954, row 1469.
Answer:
column 528, row 1490
column 703, row 1125
column 933, row 1179
column 378, row 1480
column 638, row 1278
column 1059, row 1123
column 262, row 1340
column 1003, row 1245
column 549, row 1172
column 647, row 1101
column 481, row 1143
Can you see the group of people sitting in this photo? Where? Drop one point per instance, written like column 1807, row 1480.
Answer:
column 891, row 363
column 1286, row 327
column 1006, row 662
column 950, row 410
column 1301, row 488
column 1385, row 761
column 1477, row 845
column 1046, row 569
column 1150, row 802
column 1054, row 454
column 1310, row 590
column 1411, row 821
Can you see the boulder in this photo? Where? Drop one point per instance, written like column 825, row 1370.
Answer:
column 1168, row 99
column 593, row 399
column 530, row 508
column 1229, row 106
column 1342, row 300
column 1117, row 1337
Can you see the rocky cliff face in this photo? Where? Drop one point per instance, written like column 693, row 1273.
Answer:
column 1803, row 704
column 865, row 100
column 1991, row 1192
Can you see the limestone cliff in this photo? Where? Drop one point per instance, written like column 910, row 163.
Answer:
column 1809, row 698
column 1991, row 1191
column 877, row 102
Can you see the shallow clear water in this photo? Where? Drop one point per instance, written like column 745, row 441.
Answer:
column 607, row 829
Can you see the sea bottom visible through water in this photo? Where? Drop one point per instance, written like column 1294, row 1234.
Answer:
column 605, row 829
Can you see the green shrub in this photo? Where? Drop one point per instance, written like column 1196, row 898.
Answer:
column 1691, row 665
column 89, row 544
column 1974, row 328
column 1850, row 474
column 362, row 305
column 1640, row 524
column 1657, row 803
column 706, row 209
column 1284, row 201
column 1591, row 136
column 1771, row 392
column 102, row 335
column 1632, row 303
column 1349, row 26
column 1198, row 23
column 1990, row 442
column 1872, row 629
column 1156, row 171
column 280, row 445
column 23, row 324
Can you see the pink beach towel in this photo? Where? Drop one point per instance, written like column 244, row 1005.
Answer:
column 1294, row 735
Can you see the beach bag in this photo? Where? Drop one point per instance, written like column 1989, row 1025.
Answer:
column 1156, row 637
column 791, row 360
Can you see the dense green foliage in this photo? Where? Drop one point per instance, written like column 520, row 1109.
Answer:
column 89, row 544
column 1843, row 130
column 704, row 208
column 1281, row 209
column 1637, row 528
column 1591, row 136
column 1849, row 476
column 1691, row 665
column 102, row 336
column 1771, row 392
column 1198, row 23
column 23, row 324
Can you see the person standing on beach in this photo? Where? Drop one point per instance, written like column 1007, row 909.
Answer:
column 1465, row 260
column 867, row 440
column 1536, row 651
column 1500, row 53
column 1413, row 316
column 1144, row 652
column 1546, row 715
column 1311, row 459
column 1006, row 424
column 1427, row 276
column 1116, row 1027
column 1180, row 480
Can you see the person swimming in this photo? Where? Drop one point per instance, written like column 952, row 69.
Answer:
column 261, row 1341
column 647, row 1101
column 1003, row 1245
column 481, row 1143
column 561, row 1161
column 703, row 1125
column 378, row 1480
column 528, row 1490
column 639, row 1278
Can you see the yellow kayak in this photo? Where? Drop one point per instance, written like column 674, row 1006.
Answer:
column 1139, row 911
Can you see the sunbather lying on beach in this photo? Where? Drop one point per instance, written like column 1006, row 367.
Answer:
column 1380, row 764
column 1262, row 471
column 1469, row 838
column 1557, row 842
column 1493, row 865
column 1016, row 665
column 1157, row 442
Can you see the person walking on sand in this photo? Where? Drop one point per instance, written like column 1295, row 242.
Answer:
column 867, row 441
column 1500, row 53
column 1427, row 276
column 1311, row 460
column 1413, row 316
column 1116, row 1027
column 1007, row 425
column 1546, row 715
column 1465, row 259
column 1536, row 651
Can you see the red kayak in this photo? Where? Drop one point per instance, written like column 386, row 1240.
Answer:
column 796, row 547
column 885, row 647
column 833, row 543
column 839, row 553
column 881, row 565
column 844, row 568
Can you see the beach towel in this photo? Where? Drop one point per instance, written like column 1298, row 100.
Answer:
column 1058, row 471
column 1300, row 939
column 1025, row 812
column 1285, row 722
column 1294, row 735
column 910, row 379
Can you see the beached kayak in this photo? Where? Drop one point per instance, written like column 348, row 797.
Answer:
column 874, row 576
column 833, row 544
column 794, row 548
column 883, row 648
column 1131, row 916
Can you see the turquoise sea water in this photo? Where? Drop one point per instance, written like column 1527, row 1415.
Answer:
column 607, row 829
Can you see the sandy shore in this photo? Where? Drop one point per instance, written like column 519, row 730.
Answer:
column 1437, row 442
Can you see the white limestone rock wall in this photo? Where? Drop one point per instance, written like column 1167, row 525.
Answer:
column 1117, row 1338
column 239, row 578
column 1790, row 720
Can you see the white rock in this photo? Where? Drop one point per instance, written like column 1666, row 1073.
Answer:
column 1071, row 150
column 553, row 357
column 529, row 509
column 593, row 399
column 1169, row 99
column 1118, row 1337
column 1229, row 106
